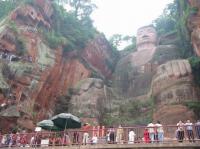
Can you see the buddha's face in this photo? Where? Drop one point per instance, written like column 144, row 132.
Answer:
column 146, row 35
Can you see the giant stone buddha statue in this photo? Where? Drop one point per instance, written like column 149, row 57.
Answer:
column 157, row 71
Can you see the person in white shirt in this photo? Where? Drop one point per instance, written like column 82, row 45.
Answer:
column 131, row 137
column 189, row 129
column 94, row 139
column 151, row 131
column 160, row 131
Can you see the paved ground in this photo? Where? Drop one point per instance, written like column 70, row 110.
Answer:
column 131, row 146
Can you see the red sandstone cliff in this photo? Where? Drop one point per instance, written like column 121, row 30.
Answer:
column 40, row 75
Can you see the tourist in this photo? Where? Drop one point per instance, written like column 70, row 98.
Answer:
column 131, row 137
column 32, row 141
column 108, row 137
column 66, row 139
column 151, row 128
column 198, row 128
column 160, row 131
column 1, row 137
column 94, row 139
column 119, row 136
column 180, row 131
column 111, row 132
column 75, row 137
column 146, row 136
column 86, row 137
column 189, row 129
column 3, row 141
column 18, row 139
column 8, row 140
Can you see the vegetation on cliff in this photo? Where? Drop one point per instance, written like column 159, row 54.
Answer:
column 77, row 31
column 195, row 64
column 6, row 7
column 194, row 106
column 174, row 20
column 69, row 28
column 117, row 39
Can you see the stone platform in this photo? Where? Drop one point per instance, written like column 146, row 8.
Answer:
column 130, row 146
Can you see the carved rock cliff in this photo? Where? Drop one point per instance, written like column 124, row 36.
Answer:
column 33, row 76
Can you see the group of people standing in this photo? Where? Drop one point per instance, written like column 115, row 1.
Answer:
column 187, row 128
column 154, row 133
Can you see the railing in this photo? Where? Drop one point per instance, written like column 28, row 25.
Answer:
column 101, row 136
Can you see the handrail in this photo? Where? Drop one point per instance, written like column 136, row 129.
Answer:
column 102, row 135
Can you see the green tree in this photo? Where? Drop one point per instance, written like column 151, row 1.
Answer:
column 6, row 6
column 116, row 40
column 82, row 8
column 131, row 47
column 167, row 21
column 67, row 26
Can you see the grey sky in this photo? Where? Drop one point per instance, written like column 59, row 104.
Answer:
column 126, row 16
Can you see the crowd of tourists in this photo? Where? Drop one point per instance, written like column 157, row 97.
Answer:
column 152, row 133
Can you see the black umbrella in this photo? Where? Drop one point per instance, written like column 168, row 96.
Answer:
column 66, row 120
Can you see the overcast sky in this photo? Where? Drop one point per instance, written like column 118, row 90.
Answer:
column 126, row 16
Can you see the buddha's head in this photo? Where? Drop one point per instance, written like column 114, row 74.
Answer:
column 146, row 35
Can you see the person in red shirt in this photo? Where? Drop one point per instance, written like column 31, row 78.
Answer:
column 23, row 140
column 86, row 128
column 146, row 136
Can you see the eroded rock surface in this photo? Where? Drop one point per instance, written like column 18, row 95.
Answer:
column 89, row 99
column 34, row 76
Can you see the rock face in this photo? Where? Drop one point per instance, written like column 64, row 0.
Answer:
column 34, row 76
column 193, row 25
column 173, row 113
column 88, row 97
column 98, row 53
column 171, row 73
column 172, row 86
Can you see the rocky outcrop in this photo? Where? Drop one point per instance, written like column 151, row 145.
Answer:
column 173, row 86
column 171, row 73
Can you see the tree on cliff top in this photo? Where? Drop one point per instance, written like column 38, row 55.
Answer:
column 81, row 8
column 76, row 32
